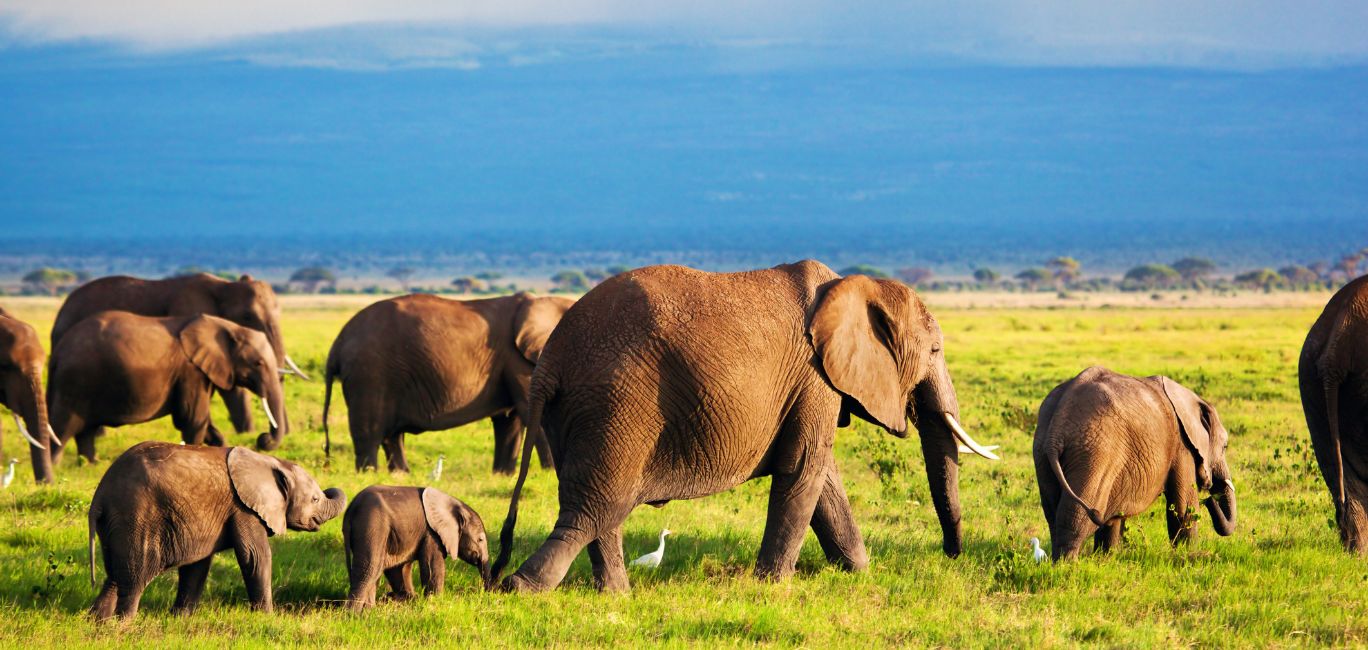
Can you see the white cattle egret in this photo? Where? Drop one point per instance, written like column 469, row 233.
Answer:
column 652, row 560
column 9, row 474
column 1038, row 552
column 436, row 474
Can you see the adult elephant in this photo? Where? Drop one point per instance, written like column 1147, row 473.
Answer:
column 21, row 389
column 1333, row 373
column 246, row 301
column 117, row 368
column 423, row 363
column 670, row 383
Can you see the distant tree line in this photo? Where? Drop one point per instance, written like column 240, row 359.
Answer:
column 1061, row 274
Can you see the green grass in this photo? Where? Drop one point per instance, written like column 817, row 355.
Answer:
column 1281, row 580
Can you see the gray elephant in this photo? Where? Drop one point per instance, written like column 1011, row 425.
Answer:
column 388, row 528
column 163, row 506
column 669, row 383
column 117, row 368
column 21, row 390
column 246, row 301
column 1107, row 445
column 1333, row 373
column 423, row 363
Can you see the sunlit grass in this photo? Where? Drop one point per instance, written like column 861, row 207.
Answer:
column 1282, row 580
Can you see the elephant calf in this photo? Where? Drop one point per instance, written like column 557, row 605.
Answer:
column 1107, row 444
column 388, row 528
column 162, row 505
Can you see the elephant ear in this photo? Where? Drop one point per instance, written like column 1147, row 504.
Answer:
column 208, row 344
column 854, row 339
column 260, row 485
column 1193, row 420
column 445, row 518
column 533, row 323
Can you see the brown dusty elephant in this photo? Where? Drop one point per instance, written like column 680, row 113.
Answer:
column 117, row 368
column 423, row 363
column 1107, row 445
column 21, row 390
column 388, row 528
column 1333, row 374
column 670, row 383
column 245, row 301
column 161, row 506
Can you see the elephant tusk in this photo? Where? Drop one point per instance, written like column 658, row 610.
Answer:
column 965, row 440
column 32, row 441
column 294, row 369
column 964, row 449
column 269, row 415
column 53, row 434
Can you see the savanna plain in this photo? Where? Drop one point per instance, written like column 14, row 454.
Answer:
column 1282, row 580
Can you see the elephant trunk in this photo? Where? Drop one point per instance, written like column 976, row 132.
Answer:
column 35, row 415
column 337, row 500
column 935, row 399
column 1221, row 507
column 486, row 575
column 273, row 403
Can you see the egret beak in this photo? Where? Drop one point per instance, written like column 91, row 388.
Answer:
column 965, row 441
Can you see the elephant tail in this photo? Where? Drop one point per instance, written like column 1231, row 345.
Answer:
column 534, row 430
column 1093, row 513
column 90, row 539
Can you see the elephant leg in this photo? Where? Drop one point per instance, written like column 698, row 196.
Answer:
column 240, row 413
column 508, row 431
column 66, row 425
column 253, row 553
column 85, row 443
column 431, row 567
column 190, row 585
column 1108, row 537
column 103, row 607
column 792, row 505
column 547, row 567
column 1071, row 527
column 400, row 580
column 834, row 524
column 130, row 596
column 605, row 556
column 1181, row 506
column 213, row 437
column 394, row 452
column 363, row 573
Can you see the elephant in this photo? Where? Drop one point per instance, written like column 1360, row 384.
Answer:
column 117, row 368
column 1107, row 444
column 387, row 528
column 423, row 363
column 21, row 389
column 670, row 383
column 162, row 505
column 246, row 301
column 1333, row 377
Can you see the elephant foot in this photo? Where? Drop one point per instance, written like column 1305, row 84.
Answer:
column 517, row 583
column 766, row 573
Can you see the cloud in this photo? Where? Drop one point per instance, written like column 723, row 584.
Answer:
column 1080, row 32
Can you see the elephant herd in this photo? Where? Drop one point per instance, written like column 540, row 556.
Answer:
column 659, row 384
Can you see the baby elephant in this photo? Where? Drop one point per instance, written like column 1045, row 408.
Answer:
column 388, row 528
column 1107, row 444
column 162, row 505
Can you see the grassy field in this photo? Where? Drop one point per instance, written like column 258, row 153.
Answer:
column 1281, row 580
